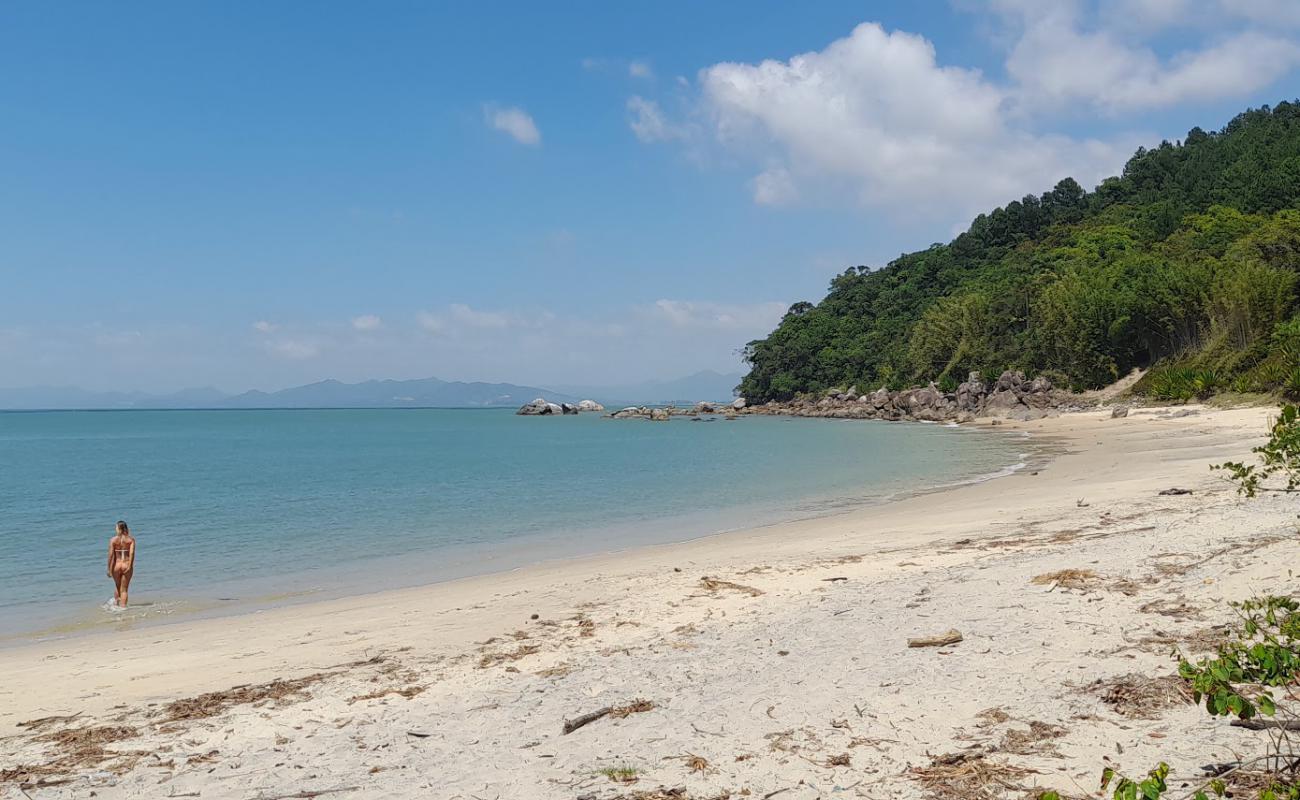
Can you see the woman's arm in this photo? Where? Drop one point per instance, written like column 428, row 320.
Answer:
column 130, row 557
column 110, row 558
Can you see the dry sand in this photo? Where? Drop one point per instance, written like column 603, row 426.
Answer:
column 787, row 673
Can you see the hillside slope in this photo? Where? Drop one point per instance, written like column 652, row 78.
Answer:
column 1187, row 261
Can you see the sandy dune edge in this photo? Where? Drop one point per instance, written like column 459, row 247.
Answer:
column 788, row 672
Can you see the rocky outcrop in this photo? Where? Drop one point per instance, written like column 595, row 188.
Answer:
column 1011, row 395
column 542, row 408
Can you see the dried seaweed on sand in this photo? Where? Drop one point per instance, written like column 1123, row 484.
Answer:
column 969, row 776
column 405, row 691
column 716, row 584
column 492, row 659
column 1068, row 578
column 1037, row 740
column 214, row 703
column 1140, row 696
column 76, row 749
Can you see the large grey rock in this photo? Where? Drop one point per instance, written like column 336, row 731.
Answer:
column 590, row 405
column 536, row 408
column 659, row 414
column 738, row 403
column 971, row 394
column 1118, row 412
column 704, row 407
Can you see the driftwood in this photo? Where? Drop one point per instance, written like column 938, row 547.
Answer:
column 1174, row 491
column 1267, row 724
column 953, row 636
column 571, row 725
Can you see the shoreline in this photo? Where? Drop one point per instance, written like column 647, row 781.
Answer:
column 809, row 615
column 484, row 560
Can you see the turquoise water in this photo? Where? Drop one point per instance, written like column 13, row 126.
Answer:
column 240, row 509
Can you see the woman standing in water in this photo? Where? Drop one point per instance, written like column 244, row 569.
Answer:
column 121, row 562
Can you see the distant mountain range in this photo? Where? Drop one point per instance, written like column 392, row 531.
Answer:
column 422, row 393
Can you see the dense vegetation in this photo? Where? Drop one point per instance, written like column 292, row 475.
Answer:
column 1187, row 262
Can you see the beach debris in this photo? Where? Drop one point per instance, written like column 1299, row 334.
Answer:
column 1067, row 579
column 953, row 636
column 841, row 760
column 214, row 703
column 419, row 734
column 308, row 794
column 406, row 691
column 1177, row 607
column 635, row 707
column 1174, row 492
column 696, row 763
column 1037, row 740
column 492, row 659
column 75, row 749
column 833, row 580
column 717, row 584
column 1254, row 724
column 969, row 775
column 1139, row 696
column 41, row 722
column 1119, row 412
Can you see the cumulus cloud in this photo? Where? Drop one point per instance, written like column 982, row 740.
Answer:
column 514, row 122
column 262, row 326
column 875, row 113
column 366, row 322
column 878, row 117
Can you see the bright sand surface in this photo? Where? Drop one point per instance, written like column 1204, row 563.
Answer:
column 793, row 677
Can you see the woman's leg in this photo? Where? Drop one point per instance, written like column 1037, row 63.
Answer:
column 117, row 588
column 126, row 584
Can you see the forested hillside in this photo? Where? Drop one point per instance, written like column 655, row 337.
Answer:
column 1187, row 262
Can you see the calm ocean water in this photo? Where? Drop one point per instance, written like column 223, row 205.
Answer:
column 245, row 509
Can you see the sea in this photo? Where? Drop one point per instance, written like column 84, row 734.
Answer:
column 235, row 511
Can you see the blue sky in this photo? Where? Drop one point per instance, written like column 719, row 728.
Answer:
column 264, row 194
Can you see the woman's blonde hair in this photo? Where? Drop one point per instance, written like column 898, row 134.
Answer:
column 122, row 528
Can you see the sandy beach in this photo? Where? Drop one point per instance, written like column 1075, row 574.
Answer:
column 763, row 663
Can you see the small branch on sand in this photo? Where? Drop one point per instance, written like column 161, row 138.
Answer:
column 634, row 707
column 832, row 580
column 953, row 636
column 571, row 725
column 1256, row 724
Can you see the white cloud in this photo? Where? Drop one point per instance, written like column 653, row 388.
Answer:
column 649, row 123
column 774, row 187
column 717, row 316
column 875, row 114
column 295, row 349
column 878, row 117
column 262, row 326
column 366, row 322
column 515, row 122
column 640, row 69
column 1058, row 62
